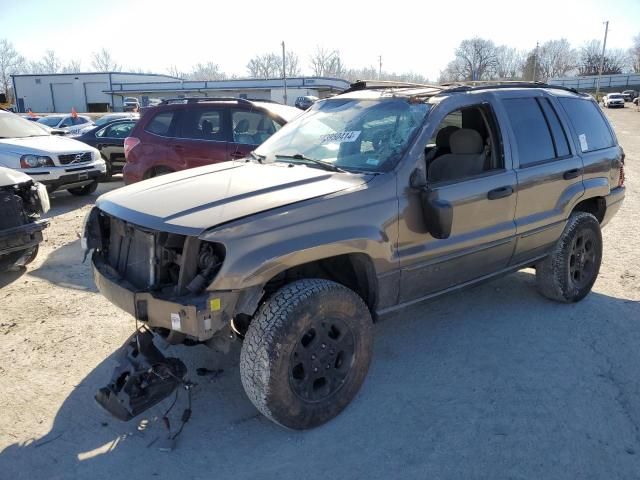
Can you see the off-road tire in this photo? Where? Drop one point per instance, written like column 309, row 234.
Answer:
column 85, row 190
column 277, row 332
column 553, row 275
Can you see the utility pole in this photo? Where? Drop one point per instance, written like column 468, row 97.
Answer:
column 604, row 45
column 284, row 72
column 535, row 61
column 380, row 67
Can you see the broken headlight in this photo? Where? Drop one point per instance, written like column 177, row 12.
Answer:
column 209, row 261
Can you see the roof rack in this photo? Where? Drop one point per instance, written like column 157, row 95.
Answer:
column 373, row 84
column 484, row 84
column 168, row 101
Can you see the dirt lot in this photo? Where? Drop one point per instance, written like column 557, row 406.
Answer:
column 495, row 382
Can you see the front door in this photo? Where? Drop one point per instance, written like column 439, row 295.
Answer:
column 469, row 170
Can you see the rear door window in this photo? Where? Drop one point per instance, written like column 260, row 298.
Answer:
column 533, row 135
column 203, row 124
column 252, row 128
column 119, row 130
column 590, row 126
column 161, row 124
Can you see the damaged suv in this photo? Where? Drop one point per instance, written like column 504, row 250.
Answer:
column 371, row 201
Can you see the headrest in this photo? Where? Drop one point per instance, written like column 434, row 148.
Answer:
column 444, row 134
column 466, row 142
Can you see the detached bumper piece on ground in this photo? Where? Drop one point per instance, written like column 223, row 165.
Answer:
column 142, row 378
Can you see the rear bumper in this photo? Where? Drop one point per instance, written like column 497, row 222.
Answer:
column 132, row 173
column 199, row 317
column 22, row 237
column 614, row 202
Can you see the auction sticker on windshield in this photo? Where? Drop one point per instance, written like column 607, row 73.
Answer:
column 340, row 137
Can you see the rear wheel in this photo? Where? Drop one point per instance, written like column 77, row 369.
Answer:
column 306, row 353
column 568, row 274
column 158, row 171
column 85, row 190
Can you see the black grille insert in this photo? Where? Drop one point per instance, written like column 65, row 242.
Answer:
column 69, row 158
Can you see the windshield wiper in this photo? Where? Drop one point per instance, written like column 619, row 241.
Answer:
column 322, row 163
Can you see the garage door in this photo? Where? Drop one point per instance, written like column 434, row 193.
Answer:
column 63, row 97
column 95, row 92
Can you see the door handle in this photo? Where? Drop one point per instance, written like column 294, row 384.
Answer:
column 501, row 192
column 573, row 173
column 238, row 155
column 177, row 147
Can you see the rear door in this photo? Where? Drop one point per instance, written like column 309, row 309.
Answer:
column 548, row 167
column 250, row 129
column 203, row 136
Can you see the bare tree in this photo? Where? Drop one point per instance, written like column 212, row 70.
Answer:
column 509, row 63
column 268, row 65
column 11, row 63
column 50, row 63
column 634, row 54
column 174, row 71
column 205, row 71
column 477, row 57
column 74, row 66
column 327, row 63
column 102, row 62
column 556, row 58
column 615, row 60
column 292, row 64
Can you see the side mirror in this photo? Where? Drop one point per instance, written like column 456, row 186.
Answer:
column 437, row 212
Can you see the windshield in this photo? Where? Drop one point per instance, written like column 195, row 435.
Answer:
column 352, row 134
column 50, row 121
column 13, row 126
column 615, row 95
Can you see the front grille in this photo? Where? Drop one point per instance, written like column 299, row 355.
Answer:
column 82, row 157
column 11, row 211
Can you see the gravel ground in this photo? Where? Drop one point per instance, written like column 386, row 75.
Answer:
column 494, row 382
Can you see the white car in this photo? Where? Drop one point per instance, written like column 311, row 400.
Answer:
column 130, row 104
column 60, row 163
column 67, row 123
column 613, row 100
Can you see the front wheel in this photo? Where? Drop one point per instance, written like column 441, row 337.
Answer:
column 86, row 190
column 306, row 353
column 569, row 272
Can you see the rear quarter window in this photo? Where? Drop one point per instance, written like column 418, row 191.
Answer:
column 589, row 123
column 161, row 124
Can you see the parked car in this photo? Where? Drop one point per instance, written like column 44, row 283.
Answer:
column 629, row 95
column 186, row 133
column 305, row 102
column 109, row 140
column 130, row 104
column 22, row 201
column 55, row 161
column 346, row 215
column 613, row 100
column 111, row 117
column 69, row 124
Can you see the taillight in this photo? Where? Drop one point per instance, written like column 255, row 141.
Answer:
column 129, row 144
column 621, row 176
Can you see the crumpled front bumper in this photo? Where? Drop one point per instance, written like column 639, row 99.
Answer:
column 22, row 237
column 198, row 316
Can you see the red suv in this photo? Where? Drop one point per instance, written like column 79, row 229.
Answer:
column 186, row 133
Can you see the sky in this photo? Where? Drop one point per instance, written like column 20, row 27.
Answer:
column 410, row 36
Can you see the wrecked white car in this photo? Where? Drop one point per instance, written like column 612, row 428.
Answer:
column 21, row 203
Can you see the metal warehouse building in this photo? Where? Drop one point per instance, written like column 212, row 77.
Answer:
column 101, row 92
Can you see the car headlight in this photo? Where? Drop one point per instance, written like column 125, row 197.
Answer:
column 35, row 161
